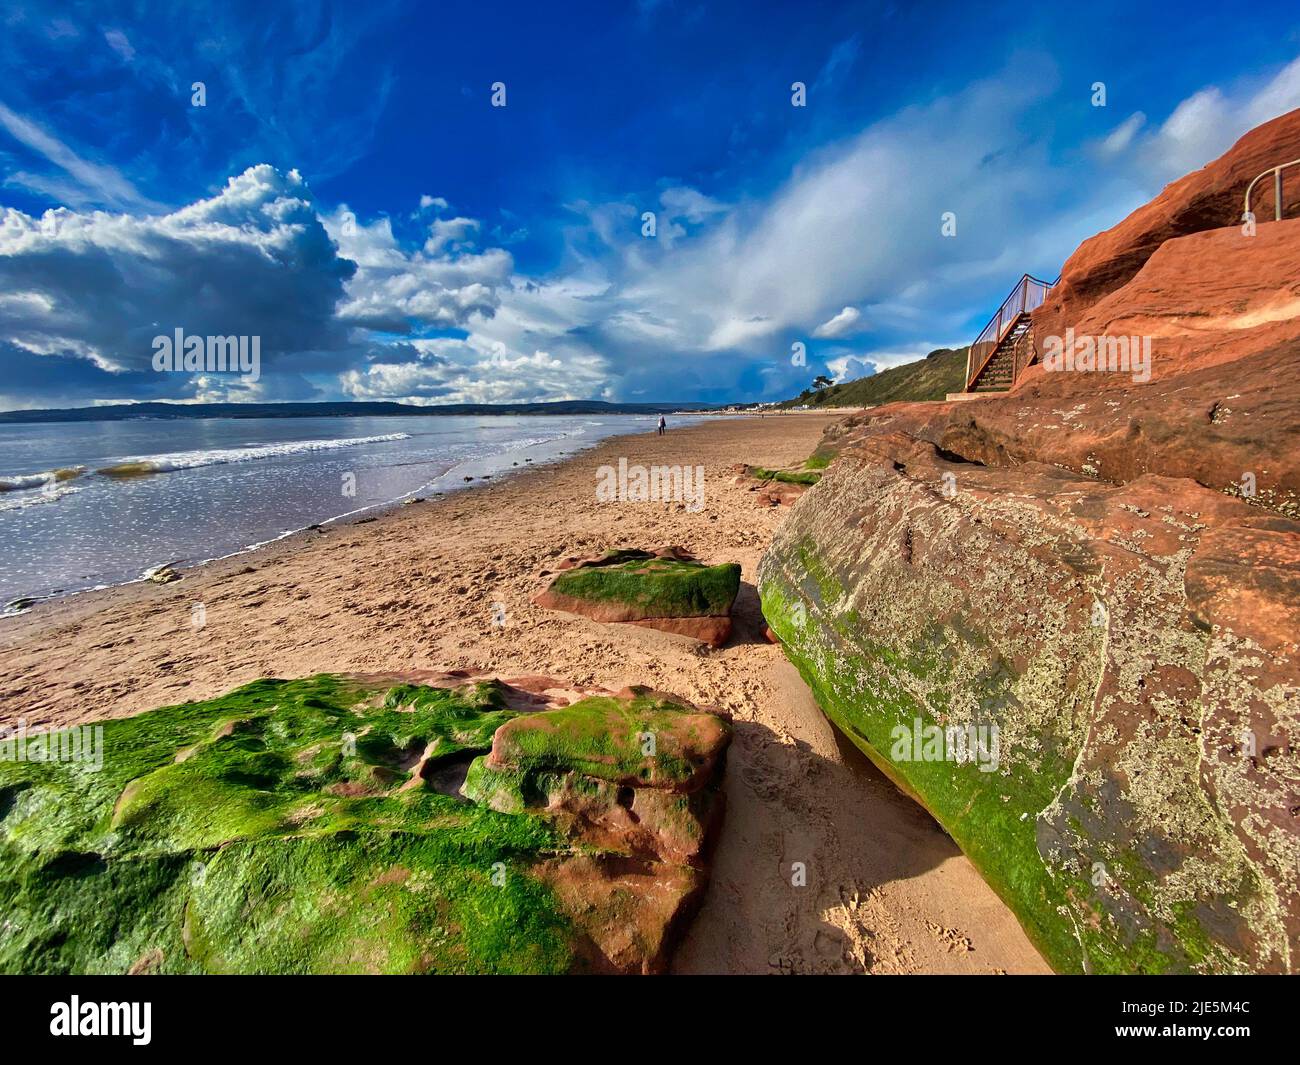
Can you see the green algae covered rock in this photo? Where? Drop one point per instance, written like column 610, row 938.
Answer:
column 1090, row 686
column 666, row 589
column 805, row 477
column 297, row 826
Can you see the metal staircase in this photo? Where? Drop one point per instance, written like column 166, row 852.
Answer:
column 1005, row 346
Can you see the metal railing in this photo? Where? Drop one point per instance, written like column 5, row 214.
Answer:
column 1027, row 295
column 1277, row 190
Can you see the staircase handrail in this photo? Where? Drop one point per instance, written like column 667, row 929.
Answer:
column 1026, row 295
column 1276, row 171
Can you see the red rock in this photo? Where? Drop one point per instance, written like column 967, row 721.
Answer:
column 644, row 818
column 1209, row 198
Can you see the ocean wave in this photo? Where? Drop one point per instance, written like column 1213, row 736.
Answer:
column 189, row 460
column 25, row 481
column 521, row 444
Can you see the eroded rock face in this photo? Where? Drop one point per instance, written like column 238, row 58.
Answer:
column 666, row 589
column 319, row 825
column 1135, row 648
column 1222, row 407
column 1209, row 198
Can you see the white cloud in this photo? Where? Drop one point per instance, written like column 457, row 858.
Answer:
column 852, row 234
column 840, row 325
column 474, row 371
column 837, row 233
column 396, row 291
column 1122, row 135
column 118, row 41
column 87, row 292
column 679, row 201
column 1204, row 125
column 850, row 367
column 451, row 234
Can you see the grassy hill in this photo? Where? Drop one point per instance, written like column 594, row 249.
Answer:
column 933, row 377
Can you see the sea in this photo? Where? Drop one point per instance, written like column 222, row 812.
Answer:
column 94, row 504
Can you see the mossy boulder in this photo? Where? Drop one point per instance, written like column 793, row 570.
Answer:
column 666, row 589
column 1126, row 654
column 316, row 825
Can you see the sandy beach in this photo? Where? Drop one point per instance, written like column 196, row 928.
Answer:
column 423, row 586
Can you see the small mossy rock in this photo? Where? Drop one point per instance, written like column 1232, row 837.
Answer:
column 667, row 590
column 779, row 488
column 804, row 477
column 163, row 574
column 296, row 827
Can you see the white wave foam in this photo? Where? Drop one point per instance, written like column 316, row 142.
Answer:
column 50, row 491
column 189, row 460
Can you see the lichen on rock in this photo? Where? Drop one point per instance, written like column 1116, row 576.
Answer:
column 1092, row 625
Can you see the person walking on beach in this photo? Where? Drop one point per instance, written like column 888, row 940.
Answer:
column 663, row 425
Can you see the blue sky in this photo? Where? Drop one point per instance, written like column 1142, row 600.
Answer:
column 349, row 194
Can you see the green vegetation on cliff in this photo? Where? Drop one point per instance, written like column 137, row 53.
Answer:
column 931, row 378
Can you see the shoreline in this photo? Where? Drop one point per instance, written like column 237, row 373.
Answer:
column 417, row 586
column 484, row 468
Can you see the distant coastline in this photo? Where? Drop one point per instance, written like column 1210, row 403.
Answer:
column 158, row 410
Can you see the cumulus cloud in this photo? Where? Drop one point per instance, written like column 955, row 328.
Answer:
column 848, row 367
column 97, row 287
column 473, row 371
column 435, row 309
column 404, row 292
column 840, row 325
column 83, row 294
column 451, row 234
